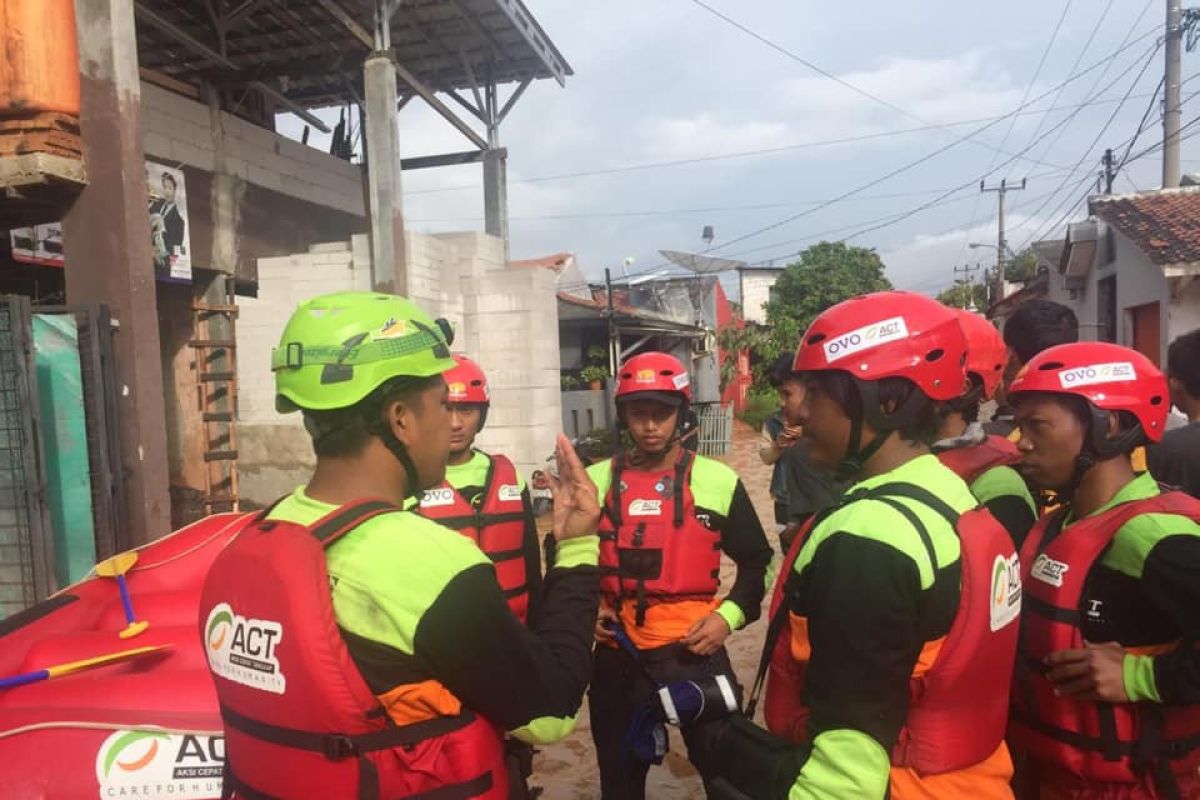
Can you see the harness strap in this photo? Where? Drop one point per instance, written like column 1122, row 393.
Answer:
column 463, row 790
column 337, row 523
column 479, row 520
column 682, row 467
column 337, row 746
column 774, row 629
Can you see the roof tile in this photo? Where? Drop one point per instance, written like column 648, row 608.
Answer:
column 1165, row 225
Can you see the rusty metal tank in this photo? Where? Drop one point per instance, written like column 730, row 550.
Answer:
column 39, row 59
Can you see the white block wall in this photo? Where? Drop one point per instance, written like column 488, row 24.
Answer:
column 505, row 319
column 178, row 131
column 756, row 291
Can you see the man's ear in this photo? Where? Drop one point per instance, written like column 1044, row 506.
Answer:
column 399, row 415
column 1114, row 424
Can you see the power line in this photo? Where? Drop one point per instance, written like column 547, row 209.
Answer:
column 826, row 74
column 1100, row 134
column 972, row 182
column 927, row 157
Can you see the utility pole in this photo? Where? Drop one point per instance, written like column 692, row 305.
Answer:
column 1001, row 243
column 1171, row 113
column 967, row 280
column 1109, row 174
column 613, row 341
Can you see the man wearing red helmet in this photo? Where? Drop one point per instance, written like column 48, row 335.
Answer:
column 483, row 498
column 1107, row 699
column 898, row 606
column 668, row 515
column 983, row 461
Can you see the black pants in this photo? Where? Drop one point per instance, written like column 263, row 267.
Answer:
column 518, row 758
column 619, row 687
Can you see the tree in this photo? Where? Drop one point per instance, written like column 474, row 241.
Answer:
column 826, row 274
column 963, row 295
column 1021, row 267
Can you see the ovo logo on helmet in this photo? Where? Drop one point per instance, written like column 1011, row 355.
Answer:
column 848, row 344
column 141, row 763
column 1005, row 600
column 244, row 650
column 1114, row 372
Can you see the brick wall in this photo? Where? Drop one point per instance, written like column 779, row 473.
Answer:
column 505, row 319
column 178, row 131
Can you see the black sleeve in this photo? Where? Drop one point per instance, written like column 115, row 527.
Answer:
column 863, row 602
column 501, row 669
column 743, row 540
column 1171, row 579
column 533, row 559
column 1014, row 514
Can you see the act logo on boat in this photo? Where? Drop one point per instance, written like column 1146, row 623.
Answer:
column 156, row 764
column 244, row 650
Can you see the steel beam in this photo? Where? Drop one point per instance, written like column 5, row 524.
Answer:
column 524, row 23
column 446, row 159
column 186, row 39
column 440, row 107
column 512, row 100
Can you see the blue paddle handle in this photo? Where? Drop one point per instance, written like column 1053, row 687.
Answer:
column 24, row 678
column 125, row 599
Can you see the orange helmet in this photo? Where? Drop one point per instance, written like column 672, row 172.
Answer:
column 1110, row 378
column 466, row 383
column 655, row 376
column 986, row 352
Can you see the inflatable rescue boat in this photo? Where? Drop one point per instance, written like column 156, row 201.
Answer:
column 104, row 686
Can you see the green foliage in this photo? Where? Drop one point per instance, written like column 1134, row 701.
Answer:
column 569, row 381
column 593, row 372
column 963, row 294
column 826, row 274
column 596, row 355
column 1022, row 267
column 759, row 406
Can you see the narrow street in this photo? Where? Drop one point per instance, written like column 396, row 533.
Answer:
column 567, row 770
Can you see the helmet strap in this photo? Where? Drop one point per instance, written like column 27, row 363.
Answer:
column 857, row 456
column 1099, row 446
column 380, row 429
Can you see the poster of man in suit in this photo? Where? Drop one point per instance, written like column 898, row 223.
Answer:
column 169, row 223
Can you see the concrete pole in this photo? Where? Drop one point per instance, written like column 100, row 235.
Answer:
column 1171, row 113
column 495, row 175
column 1001, row 244
column 106, row 242
column 388, row 260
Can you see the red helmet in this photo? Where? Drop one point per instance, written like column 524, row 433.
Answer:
column 466, row 382
column 1110, row 377
column 986, row 351
column 886, row 335
column 659, row 376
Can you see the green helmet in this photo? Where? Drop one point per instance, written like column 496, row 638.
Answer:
column 338, row 348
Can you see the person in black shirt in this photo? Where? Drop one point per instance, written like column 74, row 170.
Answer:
column 1175, row 460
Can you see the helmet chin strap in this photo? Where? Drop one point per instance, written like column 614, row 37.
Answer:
column 383, row 431
column 869, row 410
column 1098, row 446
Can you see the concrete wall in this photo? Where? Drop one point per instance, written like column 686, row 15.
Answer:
column 1184, row 314
column 585, row 410
column 505, row 319
column 178, row 131
column 756, row 288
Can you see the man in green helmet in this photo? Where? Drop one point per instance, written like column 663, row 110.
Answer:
column 418, row 605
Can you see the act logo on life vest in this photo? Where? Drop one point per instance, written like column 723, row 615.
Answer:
column 434, row 498
column 645, row 508
column 1114, row 372
column 244, row 650
column 850, row 343
column 150, row 764
column 1047, row 570
column 509, row 492
column 1006, row 591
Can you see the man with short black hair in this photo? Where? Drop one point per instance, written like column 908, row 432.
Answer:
column 1176, row 460
column 1036, row 326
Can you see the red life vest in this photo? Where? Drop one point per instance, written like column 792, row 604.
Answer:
column 969, row 463
column 653, row 548
column 496, row 523
column 300, row 720
column 1097, row 742
column 958, row 709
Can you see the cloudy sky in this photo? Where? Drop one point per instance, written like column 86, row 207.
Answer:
column 768, row 145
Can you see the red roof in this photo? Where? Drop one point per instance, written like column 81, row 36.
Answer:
column 555, row 262
column 1165, row 225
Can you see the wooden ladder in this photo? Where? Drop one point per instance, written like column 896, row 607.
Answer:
column 215, row 351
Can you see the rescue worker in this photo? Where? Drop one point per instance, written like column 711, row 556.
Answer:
column 984, row 461
column 668, row 515
column 1107, row 701
column 373, row 653
column 894, row 624
column 485, row 499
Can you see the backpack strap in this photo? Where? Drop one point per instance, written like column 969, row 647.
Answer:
column 683, row 473
column 337, row 523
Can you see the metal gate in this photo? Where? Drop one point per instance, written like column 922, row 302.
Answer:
column 716, row 428
column 26, row 549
